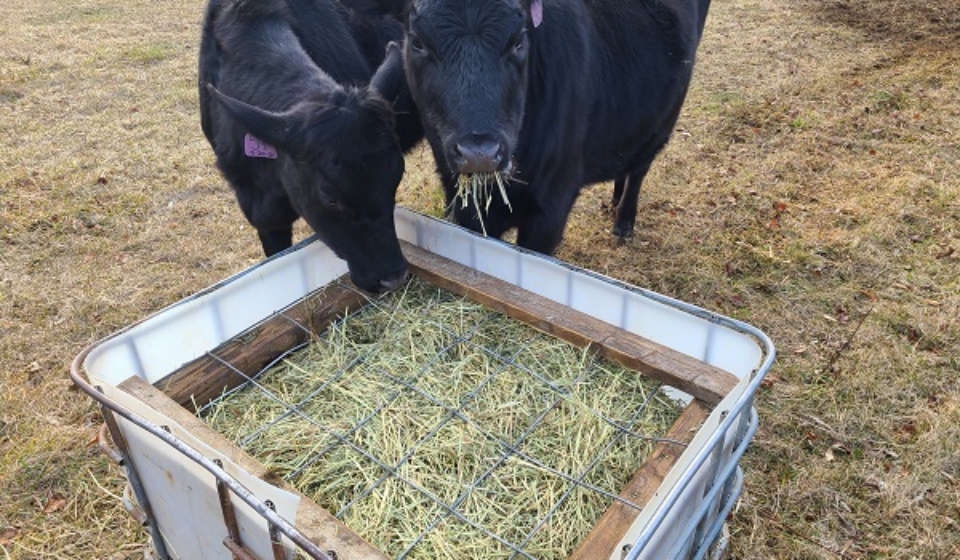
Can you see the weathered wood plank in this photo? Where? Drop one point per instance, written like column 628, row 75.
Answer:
column 705, row 382
column 206, row 378
column 603, row 539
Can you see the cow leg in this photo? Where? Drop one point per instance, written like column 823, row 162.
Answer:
column 272, row 216
column 543, row 231
column 626, row 210
column 542, row 234
column 276, row 240
column 617, row 192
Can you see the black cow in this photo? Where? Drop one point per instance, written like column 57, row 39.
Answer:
column 551, row 95
column 296, row 131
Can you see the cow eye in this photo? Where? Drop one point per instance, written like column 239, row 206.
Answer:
column 518, row 45
column 330, row 204
column 416, row 44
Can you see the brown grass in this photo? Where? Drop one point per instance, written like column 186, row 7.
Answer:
column 811, row 189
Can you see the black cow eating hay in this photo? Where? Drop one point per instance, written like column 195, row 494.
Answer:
column 538, row 98
column 296, row 131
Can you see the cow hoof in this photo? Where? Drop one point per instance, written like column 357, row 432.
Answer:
column 623, row 232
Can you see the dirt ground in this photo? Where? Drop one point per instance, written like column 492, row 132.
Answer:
column 812, row 189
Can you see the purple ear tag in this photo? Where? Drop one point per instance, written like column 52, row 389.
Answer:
column 257, row 148
column 536, row 12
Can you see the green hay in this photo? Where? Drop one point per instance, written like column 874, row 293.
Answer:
column 437, row 391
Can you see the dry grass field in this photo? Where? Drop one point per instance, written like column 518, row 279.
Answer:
column 812, row 189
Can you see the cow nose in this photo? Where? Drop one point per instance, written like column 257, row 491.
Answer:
column 393, row 282
column 479, row 155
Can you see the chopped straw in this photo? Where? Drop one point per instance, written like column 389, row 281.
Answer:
column 477, row 187
column 436, row 428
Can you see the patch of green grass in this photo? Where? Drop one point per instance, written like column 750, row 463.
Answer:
column 147, row 54
column 800, row 123
column 721, row 99
column 75, row 13
column 887, row 101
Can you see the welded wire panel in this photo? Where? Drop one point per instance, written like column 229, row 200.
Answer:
column 437, row 428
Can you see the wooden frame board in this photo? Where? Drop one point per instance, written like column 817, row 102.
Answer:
column 207, row 377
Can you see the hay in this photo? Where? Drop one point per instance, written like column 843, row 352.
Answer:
column 477, row 188
column 423, row 403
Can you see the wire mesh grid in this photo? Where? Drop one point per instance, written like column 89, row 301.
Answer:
column 437, row 428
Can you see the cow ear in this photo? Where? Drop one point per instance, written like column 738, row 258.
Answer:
column 388, row 79
column 268, row 126
column 534, row 9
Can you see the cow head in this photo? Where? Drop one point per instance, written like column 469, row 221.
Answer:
column 341, row 168
column 466, row 64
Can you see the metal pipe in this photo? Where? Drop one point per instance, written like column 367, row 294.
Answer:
column 739, row 407
column 239, row 553
column 730, row 469
column 229, row 514
column 275, row 542
column 132, row 508
column 105, row 446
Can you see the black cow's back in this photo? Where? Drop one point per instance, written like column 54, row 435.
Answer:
column 296, row 100
column 645, row 53
column 559, row 91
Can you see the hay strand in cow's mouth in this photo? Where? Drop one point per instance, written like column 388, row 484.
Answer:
column 478, row 187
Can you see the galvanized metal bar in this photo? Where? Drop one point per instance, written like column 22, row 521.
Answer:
column 714, row 532
column 229, row 514
column 239, row 553
column 129, row 503
column 741, row 405
column 132, row 508
column 730, row 469
column 713, row 469
column 276, row 542
column 105, row 446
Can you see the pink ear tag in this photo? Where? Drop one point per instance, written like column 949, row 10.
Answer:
column 257, row 148
column 536, row 12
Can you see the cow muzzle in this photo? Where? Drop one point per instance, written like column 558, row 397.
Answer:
column 479, row 154
column 393, row 282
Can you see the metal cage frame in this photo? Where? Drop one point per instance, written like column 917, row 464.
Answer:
column 687, row 516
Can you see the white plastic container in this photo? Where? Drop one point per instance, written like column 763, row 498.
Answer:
column 175, row 475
